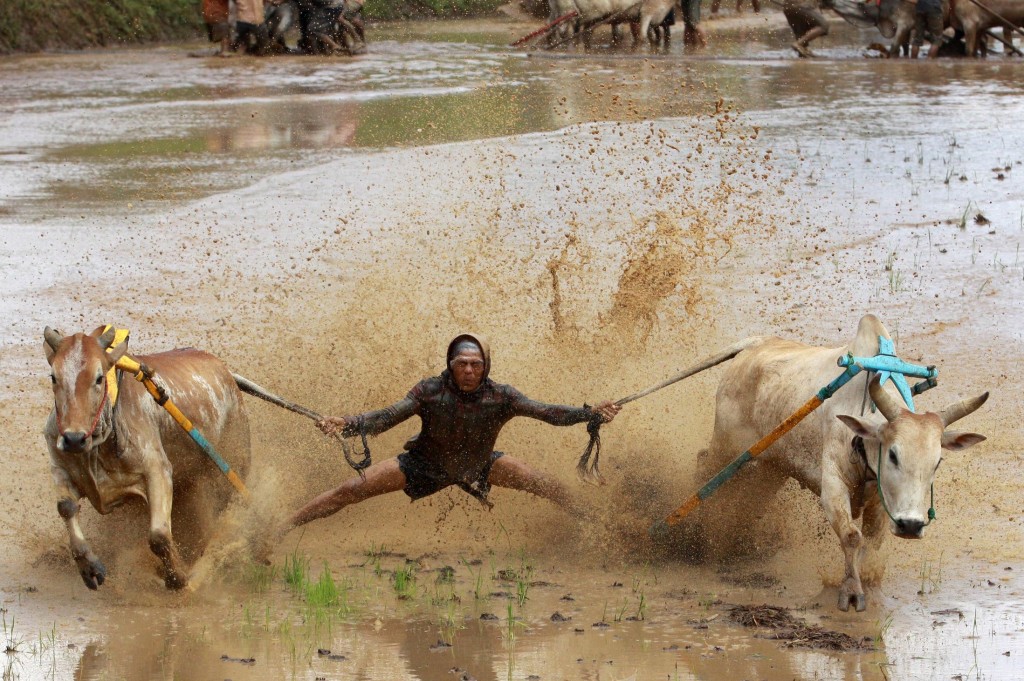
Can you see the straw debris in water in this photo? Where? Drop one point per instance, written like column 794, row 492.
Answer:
column 793, row 631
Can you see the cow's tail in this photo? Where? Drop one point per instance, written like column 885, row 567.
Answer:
column 587, row 469
column 705, row 364
column 247, row 386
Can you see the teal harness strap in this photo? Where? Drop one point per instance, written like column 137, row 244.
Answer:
column 878, row 479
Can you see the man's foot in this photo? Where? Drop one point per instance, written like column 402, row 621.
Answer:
column 802, row 50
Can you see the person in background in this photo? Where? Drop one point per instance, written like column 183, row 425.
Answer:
column 927, row 19
column 216, row 15
column 807, row 22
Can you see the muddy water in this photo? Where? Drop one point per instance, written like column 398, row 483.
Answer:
column 326, row 226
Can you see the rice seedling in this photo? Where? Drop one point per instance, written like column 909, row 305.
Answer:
column 376, row 551
column 404, row 581
column 511, row 622
column 296, row 571
column 931, row 576
column 12, row 643
column 895, row 281
column 523, row 586
column 258, row 577
column 883, row 628
column 641, row 607
column 478, row 578
column 47, row 641
column 962, row 223
column 323, row 593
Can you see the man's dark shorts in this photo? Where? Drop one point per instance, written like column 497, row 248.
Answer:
column 424, row 477
column 927, row 18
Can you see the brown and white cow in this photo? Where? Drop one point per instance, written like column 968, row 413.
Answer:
column 975, row 21
column 771, row 379
column 135, row 449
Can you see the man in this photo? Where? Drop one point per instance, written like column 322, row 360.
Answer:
column 216, row 15
column 693, row 34
column 462, row 412
column 251, row 33
column 927, row 18
column 807, row 23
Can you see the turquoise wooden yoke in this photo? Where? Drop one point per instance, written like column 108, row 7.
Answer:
column 889, row 367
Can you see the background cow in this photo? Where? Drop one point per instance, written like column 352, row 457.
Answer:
column 766, row 383
column 975, row 21
column 643, row 13
column 134, row 449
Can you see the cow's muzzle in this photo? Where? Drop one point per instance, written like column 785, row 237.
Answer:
column 74, row 441
column 909, row 529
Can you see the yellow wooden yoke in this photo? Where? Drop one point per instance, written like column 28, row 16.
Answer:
column 144, row 375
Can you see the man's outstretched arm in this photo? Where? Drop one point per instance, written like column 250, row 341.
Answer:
column 560, row 415
column 372, row 422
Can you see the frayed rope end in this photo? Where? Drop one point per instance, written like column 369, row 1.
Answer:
column 588, row 470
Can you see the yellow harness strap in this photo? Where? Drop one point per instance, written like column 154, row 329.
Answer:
column 120, row 336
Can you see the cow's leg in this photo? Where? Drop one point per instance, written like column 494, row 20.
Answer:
column 971, row 39
column 873, row 528
column 645, row 24
column 160, row 492
column 899, row 41
column 835, row 499
column 89, row 566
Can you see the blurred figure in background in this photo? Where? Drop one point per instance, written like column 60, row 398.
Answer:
column 216, row 15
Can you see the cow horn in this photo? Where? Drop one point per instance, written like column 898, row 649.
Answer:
column 958, row 410
column 885, row 402
column 52, row 338
column 106, row 338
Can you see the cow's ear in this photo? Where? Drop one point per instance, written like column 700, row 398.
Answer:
column 954, row 441
column 859, row 427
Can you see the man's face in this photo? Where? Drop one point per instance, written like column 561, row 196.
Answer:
column 468, row 369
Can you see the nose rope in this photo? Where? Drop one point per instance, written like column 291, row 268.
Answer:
column 95, row 421
column 878, row 478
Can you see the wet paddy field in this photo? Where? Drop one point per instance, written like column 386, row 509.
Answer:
column 327, row 226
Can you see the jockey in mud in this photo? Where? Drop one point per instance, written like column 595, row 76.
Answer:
column 462, row 412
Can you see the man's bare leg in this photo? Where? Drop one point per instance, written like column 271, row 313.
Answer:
column 381, row 478
column 514, row 474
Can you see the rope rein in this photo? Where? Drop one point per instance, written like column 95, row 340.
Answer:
column 347, row 450
column 588, row 471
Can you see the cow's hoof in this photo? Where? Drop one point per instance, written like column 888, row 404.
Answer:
column 175, row 582
column 860, row 602
column 93, row 573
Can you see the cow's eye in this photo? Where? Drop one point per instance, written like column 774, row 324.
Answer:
column 53, row 379
column 99, row 379
column 892, row 457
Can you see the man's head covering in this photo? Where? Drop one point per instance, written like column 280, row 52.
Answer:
column 478, row 340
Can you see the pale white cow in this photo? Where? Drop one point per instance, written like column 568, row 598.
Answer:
column 770, row 380
column 644, row 13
